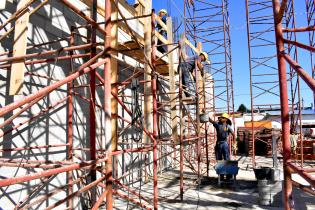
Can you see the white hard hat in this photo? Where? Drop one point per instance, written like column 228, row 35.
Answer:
column 163, row 11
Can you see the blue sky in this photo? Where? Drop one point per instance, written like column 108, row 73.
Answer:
column 240, row 49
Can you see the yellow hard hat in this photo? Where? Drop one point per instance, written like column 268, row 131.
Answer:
column 205, row 54
column 163, row 11
column 225, row 115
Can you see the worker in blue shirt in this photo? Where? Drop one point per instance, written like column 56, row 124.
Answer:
column 162, row 15
column 224, row 129
column 188, row 67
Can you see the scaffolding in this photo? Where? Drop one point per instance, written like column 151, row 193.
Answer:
column 121, row 105
column 283, row 57
column 93, row 115
column 271, row 78
column 209, row 23
column 262, row 63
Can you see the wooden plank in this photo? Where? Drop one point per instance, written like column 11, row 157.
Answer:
column 19, row 49
column 145, row 4
column 121, row 24
column 101, row 8
column 171, row 73
column 132, row 50
column 162, row 24
column 196, row 50
column 201, row 84
column 192, row 46
column 161, row 38
column 199, row 46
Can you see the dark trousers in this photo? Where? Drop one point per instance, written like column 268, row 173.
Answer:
column 222, row 150
column 188, row 84
column 162, row 49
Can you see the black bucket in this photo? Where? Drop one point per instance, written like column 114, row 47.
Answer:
column 263, row 173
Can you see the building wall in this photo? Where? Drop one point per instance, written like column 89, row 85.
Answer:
column 51, row 22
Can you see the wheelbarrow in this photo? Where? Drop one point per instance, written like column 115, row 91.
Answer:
column 226, row 167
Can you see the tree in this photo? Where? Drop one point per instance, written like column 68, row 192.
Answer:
column 242, row 108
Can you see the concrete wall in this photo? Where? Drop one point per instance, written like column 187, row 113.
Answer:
column 51, row 22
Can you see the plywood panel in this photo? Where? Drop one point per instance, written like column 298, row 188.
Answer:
column 132, row 50
column 19, row 49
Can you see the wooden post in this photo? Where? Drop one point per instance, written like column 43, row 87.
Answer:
column 147, row 72
column 19, row 49
column 114, row 79
column 107, row 104
column 139, row 6
column 174, row 120
column 201, row 83
column 199, row 46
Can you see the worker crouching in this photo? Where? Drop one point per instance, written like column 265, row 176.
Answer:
column 188, row 68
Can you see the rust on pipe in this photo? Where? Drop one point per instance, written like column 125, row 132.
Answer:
column 82, row 70
column 84, row 16
column 301, row 29
column 295, row 169
column 48, row 60
column 284, row 106
column 77, row 193
column 251, row 84
column 33, row 117
column 307, row 189
column 303, row 46
column 301, row 72
column 17, row 180
column 155, row 115
column 46, row 53
column 17, row 14
column 70, row 112
column 99, row 201
column 181, row 143
column 131, row 200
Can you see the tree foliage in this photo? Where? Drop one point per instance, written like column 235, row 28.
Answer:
column 242, row 108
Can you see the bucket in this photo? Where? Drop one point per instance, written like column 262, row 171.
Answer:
column 262, row 173
column 275, row 175
column 204, row 117
column 264, row 193
column 276, row 193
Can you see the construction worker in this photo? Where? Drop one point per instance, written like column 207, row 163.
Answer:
column 188, row 67
column 224, row 129
column 294, row 137
column 162, row 15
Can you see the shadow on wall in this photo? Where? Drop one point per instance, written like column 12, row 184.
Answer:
column 51, row 22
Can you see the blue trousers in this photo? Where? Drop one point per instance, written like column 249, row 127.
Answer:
column 222, row 150
column 189, row 85
column 162, row 49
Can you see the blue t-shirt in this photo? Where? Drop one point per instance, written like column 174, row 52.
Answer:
column 159, row 27
column 190, row 62
column 223, row 131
